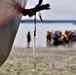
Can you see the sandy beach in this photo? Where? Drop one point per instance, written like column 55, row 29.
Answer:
column 49, row 61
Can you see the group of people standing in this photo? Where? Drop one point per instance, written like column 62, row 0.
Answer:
column 58, row 37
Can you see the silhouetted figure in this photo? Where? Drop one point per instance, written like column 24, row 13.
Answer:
column 28, row 39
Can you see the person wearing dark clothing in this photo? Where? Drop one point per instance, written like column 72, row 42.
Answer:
column 28, row 39
column 57, row 38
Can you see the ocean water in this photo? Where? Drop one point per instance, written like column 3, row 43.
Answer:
column 21, row 39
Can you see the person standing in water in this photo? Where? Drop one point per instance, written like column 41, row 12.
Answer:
column 28, row 39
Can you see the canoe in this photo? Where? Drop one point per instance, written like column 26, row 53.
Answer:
column 10, row 18
column 66, row 42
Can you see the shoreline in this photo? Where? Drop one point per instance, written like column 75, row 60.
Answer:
column 48, row 47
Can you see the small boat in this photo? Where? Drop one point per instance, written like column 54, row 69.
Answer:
column 65, row 42
column 10, row 18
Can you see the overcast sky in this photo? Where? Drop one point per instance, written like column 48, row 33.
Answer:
column 60, row 9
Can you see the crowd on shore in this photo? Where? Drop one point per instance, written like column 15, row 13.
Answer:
column 59, row 37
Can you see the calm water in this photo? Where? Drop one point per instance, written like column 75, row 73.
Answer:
column 21, row 39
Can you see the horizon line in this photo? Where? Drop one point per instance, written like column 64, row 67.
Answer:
column 48, row 21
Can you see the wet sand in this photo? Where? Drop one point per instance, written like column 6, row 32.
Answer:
column 49, row 61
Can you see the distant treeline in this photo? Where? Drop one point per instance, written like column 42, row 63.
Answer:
column 48, row 21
